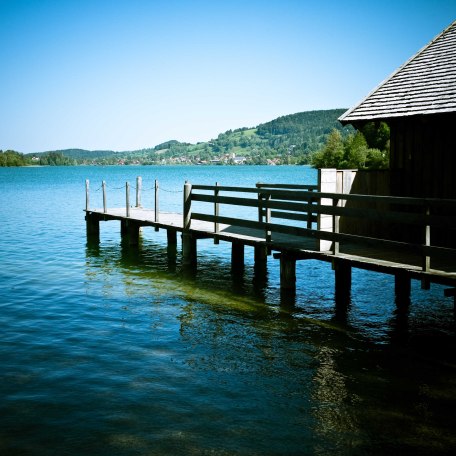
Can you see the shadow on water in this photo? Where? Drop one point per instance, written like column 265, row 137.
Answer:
column 338, row 390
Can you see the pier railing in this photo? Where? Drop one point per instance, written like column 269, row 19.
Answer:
column 298, row 211
column 423, row 216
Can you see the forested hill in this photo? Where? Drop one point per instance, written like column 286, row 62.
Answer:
column 286, row 140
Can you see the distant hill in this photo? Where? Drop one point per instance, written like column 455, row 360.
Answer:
column 79, row 154
column 287, row 139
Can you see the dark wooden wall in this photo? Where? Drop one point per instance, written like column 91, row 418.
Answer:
column 423, row 156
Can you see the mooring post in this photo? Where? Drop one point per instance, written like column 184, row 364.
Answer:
column 127, row 198
column 105, row 207
column 138, row 191
column 87, row 194
column 188, row 240
column 287, row 272
column 216, row 213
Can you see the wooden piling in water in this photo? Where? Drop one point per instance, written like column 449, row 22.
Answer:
column 129, row 231
column 189, row 249
column 343, row 281
column 237, row 256
column 288, row 272
column 92, row 227
column 402, row 286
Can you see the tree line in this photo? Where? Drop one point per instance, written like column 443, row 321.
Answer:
column 312, row 137
column 367, row 148
column 13, row 158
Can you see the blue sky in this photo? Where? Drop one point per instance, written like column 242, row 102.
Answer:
column 126, row 75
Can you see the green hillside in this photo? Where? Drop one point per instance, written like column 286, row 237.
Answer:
column 290, row 139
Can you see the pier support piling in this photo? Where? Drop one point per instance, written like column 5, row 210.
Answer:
column 287, row 272
column 261, row 255
column 171, row 236
column 402, row 286
column 93, row 227
column 129, row 232
column 237, row 257
column 189, row 250
column 343, row 280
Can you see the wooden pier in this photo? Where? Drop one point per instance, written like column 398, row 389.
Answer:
column 298, row 222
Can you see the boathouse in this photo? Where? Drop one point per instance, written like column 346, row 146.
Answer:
column 418, row 102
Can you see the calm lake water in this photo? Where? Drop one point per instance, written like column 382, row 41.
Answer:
column 107, row 350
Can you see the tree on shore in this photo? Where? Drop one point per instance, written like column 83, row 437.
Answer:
column 365, row 149
column 12, row 158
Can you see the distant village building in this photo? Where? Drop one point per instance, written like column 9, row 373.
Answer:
column 418, row 102
column 239, row 160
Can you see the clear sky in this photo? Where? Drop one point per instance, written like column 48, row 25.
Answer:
column 130, row 74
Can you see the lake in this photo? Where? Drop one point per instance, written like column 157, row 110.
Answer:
column 110, row 350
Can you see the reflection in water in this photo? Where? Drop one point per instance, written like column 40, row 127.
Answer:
column 335, row 406
column 399, row 324
column 313, row 386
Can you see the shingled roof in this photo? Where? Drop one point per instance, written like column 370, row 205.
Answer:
column 425, row 84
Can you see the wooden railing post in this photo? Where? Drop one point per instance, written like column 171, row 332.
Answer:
column 87, row 194
column 268, row 233
column 309, row 212
column 425, row 284
column 187, row 205
column 260, row 203
column 327, row 183
column 138, row 191
column 127, row 198
column 216, row 212
column 188, row 239
column 103, row 186
column 336, row 220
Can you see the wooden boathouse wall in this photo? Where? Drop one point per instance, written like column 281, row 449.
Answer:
column 394, row 183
